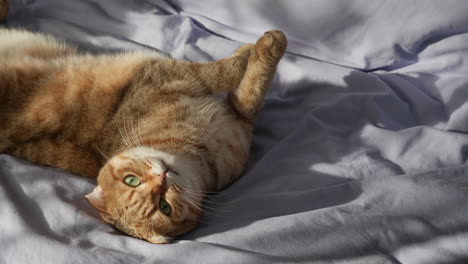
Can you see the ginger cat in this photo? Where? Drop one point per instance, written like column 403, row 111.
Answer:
column 149, row 128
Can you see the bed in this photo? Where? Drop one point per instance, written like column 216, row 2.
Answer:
column 359, row 155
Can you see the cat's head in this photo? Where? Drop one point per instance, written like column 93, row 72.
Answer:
column 149, row 194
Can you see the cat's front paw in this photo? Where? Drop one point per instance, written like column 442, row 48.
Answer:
column 272, row 45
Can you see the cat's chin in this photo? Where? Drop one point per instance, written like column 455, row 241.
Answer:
column 155, row 238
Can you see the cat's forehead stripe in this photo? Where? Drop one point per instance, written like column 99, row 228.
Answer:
column 148, row 167
column 128, row 161
column 123, row 157
column 112, row 171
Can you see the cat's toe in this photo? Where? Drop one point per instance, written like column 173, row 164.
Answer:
column 272, row 44
column 277, row 37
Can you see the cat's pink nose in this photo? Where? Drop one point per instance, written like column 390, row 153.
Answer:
column 163, row 174
column 159, row 173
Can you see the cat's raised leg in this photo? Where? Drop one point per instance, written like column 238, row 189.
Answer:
column 225, row 74
column 268, row 50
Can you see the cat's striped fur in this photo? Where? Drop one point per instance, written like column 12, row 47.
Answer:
column 109, row 116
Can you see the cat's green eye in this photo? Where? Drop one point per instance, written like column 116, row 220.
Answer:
column 132, row 180
column 165, row 207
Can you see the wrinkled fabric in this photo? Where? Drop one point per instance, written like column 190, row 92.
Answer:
column 359, row 154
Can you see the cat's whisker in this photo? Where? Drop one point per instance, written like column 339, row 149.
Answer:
column 206, row 198
column 128, row 129
column 200, row 204
column 102, row 153
column 128, row 132
column 132, row 134
column 201, row 208
column 122, row 131
column 203, row 205
column 194, row 195
column 196, row 192
column 122, row 135
column 132, row 143
column 192, row 192
column 205, row 195
column 138, row 137
column 212, row 213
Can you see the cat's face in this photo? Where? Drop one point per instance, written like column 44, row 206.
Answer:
column 145, row 193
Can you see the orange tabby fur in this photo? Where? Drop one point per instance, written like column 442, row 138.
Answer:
column 110, row 116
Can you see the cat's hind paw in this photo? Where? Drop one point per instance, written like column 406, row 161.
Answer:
column 272, row 45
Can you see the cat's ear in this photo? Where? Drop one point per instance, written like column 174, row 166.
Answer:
column 159, row 239
column 95, row 198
